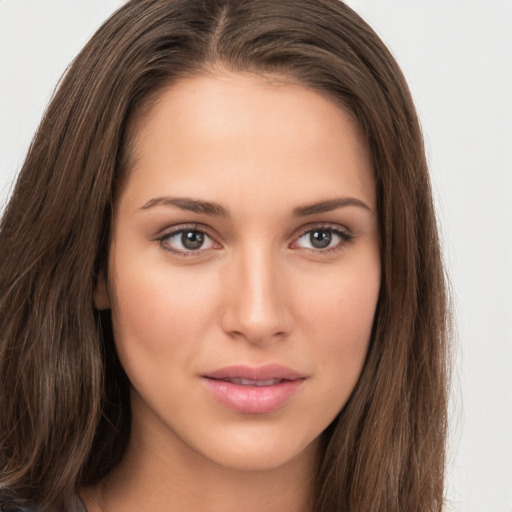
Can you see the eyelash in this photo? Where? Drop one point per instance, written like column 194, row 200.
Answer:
column 346, row 238
column 195, row 228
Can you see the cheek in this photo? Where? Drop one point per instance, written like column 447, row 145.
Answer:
column 341, row 322
column 345, row 327
column 158, row 315
column 343, row 303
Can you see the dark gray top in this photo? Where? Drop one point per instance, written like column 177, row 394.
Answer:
column 78, row 506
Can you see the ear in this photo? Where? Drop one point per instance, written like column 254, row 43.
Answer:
column 101, row 295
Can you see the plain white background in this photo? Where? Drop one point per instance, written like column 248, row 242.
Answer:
column 457, row 57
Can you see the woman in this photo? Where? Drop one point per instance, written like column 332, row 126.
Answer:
column 220, row 277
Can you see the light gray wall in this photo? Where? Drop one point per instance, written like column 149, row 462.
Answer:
column 457, row 56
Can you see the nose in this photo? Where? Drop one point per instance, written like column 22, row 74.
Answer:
column 257, row 306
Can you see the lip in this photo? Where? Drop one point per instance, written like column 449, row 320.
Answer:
column 254, row 399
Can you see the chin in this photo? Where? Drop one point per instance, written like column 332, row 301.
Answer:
column 261, row 452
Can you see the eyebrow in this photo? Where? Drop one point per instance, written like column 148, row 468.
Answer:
column 215, row 209
column 191, row 205
column 328, row 206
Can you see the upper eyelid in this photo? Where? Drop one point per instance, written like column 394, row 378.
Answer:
column 346, row 235
column 207, row 230
column 172, row 230
column 297, row 233
column 321, row 225
column 180, row 228
column 175, row 230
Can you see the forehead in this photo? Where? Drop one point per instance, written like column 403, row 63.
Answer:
column 250, row 131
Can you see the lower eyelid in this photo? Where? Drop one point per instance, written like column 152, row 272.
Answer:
column 345, row 238
column 337, row 231
column 163, row 240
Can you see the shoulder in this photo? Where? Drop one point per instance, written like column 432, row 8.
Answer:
column 13, row 508
column 9, row 508
column 78, row 507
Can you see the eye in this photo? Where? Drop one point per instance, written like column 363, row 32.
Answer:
column 186, row 240
column 323, row 239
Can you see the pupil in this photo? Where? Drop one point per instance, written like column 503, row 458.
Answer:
column 192, row 239
column 320, row 239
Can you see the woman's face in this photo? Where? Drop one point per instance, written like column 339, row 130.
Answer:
column 244, row 269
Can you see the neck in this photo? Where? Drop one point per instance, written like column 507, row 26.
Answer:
column 158, row 474
column 136, row 486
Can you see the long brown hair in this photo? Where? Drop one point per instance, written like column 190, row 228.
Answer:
column 64, row 408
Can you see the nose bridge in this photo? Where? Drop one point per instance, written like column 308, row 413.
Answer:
column 256, row 307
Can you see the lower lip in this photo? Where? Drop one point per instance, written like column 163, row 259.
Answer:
column 253, row 399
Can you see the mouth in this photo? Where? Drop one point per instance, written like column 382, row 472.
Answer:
column 254, row 390
column 250, row 382
column 247, row 374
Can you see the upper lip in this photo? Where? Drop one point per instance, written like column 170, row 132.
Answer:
column 264, row 372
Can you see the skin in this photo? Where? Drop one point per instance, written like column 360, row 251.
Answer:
column 257, row 291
